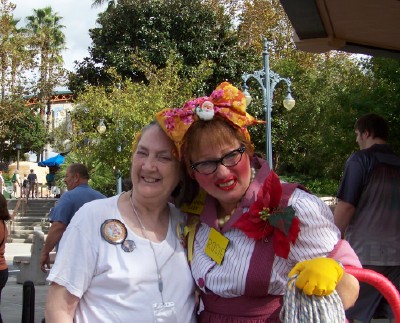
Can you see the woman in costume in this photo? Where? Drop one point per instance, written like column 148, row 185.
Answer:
column 121, row 259
column 253, row 230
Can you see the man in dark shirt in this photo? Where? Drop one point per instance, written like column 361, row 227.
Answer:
column 368, row 212
column 32, row 181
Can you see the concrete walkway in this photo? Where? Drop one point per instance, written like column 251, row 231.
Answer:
column 12, row 296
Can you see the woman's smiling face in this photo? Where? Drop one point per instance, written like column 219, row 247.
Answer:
column 155, row 170
column 226, row 184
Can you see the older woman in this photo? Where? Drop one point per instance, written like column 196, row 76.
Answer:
column 253, row 230
column 120, row 258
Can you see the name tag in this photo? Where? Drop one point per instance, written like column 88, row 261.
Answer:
column 197, row 205
column 216, row 246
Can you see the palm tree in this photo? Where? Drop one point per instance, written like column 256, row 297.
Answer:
column 11, row 50
column 20, row 58
column 98, row 3
column 48, row 39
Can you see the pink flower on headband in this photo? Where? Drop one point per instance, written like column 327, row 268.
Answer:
column 217, row 94
column 225, row 101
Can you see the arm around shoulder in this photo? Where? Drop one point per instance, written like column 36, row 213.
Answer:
column 343, row 213
column 348, row 288
column 60, row 304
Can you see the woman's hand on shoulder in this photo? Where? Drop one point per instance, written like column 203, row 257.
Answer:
column 348, row 289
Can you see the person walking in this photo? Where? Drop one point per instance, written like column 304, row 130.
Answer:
column 16, row 183
column 4, row 216
column 50, row 181
column 368, row 212
column 79, row 192
column 25, row 186
column 32, row 183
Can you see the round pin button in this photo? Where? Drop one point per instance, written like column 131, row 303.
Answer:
column 113, row 231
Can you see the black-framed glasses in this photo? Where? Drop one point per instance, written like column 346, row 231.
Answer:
column 228, row 160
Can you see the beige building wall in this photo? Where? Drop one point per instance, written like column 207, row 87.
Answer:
column 25, row 167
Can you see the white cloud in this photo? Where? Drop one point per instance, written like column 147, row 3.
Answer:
column 77, row 16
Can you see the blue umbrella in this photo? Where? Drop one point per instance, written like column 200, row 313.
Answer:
column 53, row 161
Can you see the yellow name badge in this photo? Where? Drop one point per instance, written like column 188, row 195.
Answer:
column 197, row 205
column 216, row 246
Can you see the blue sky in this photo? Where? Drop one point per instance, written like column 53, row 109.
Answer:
column 78, row 18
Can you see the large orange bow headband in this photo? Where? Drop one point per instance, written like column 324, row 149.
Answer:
column 225, row 101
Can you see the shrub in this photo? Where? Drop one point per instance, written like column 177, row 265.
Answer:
column 317, row 186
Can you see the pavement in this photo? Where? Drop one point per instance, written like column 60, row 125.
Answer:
column 12, row 293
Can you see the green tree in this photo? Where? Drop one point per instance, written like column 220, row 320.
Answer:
column 126, row 107
column 331, row 90
column 101, row 2
column 385, row 87
column 48, row 39
column 14, row 58
column 100, row 174
column 151, row 30
column 27, row 129
column 311, row 142
column 18, row 124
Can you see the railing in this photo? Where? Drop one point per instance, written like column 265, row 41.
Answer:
column 382, row 284
column 21, row 204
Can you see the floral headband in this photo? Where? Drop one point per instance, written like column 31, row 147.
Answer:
column 225, row 101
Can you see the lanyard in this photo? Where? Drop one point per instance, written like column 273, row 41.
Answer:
column 159, row 269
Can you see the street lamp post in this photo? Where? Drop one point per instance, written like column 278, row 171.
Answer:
column 18, row 147
column 268, row 80
column 119, row 175
column 101, row 128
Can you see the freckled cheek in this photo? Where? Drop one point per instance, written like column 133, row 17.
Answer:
column 243, row 168
column 135, row 169
column 203, row 180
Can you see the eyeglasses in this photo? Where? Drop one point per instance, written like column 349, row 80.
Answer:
column 229, row 160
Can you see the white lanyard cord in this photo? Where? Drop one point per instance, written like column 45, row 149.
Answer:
column 160, row 281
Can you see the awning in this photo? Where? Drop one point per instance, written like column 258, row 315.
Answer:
column 53, row 161
column 369, row 27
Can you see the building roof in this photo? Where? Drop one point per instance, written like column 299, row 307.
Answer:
column 57, row 97
column 369, row 27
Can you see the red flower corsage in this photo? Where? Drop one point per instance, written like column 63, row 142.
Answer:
column 265, row 217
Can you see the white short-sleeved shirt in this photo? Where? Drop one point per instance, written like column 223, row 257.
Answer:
column 118, row 286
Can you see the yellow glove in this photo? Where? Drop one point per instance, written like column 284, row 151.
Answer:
column 317, row 276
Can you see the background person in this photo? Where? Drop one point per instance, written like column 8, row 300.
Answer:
column 79, row 192
column 368, row 212
column 50, row 181
column 241, row 257
column 121, row 259
column 25, row 186
column 2, row 186
column 16, row 183
column 4, row 216
column 32, row 183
